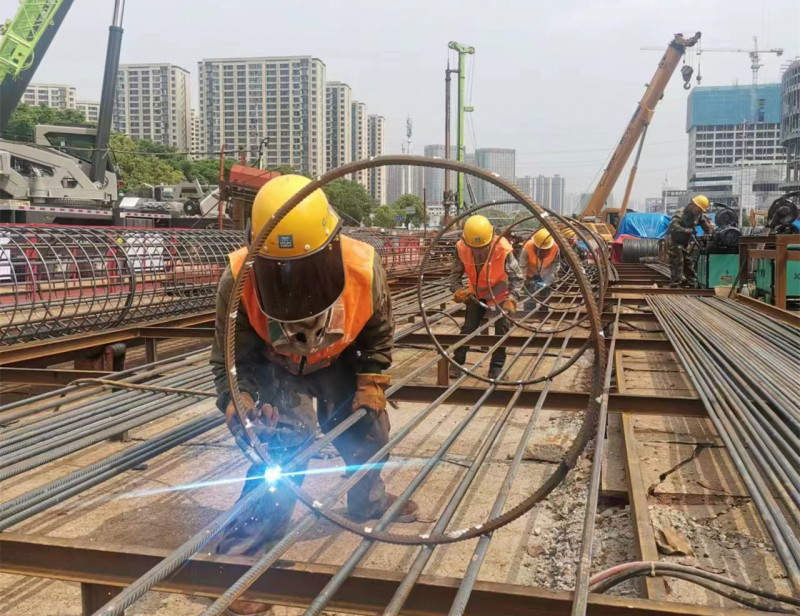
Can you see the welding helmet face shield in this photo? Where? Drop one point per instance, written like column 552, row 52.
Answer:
column 300, row 289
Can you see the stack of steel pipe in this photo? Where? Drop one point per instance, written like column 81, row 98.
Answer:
column 56, row 281
column 746, row 369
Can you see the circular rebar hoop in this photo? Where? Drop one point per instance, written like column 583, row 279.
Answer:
column 423, row 313
column 584, row 435
column 58, row 281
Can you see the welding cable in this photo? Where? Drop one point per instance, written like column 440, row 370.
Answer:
column 31, row 503
column 306, row 523
column 573, row 452
column 605, row 580
column 580, row 600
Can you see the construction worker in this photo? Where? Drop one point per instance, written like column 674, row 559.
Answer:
column 479, row 248
column 314, row 324
column 681, row 230
column 539, row 261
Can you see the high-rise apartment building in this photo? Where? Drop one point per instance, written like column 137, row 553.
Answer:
column 790, row 124
column 153, row 102
column 735, row 153
column 89, row 109
column 404, row 180
column 51, row 95
column 279, row 102
column 549, row 192
column 197, row 147
column 360, row 147
column 434, row 180
column 501, row 161
column 376, row 146
column 338, row 124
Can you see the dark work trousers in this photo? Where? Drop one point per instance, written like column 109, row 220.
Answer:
column 333, row 388
column 472, row 320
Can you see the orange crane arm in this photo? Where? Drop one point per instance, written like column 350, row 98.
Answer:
column 641, row 118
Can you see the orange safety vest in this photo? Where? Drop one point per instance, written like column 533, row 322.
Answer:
column 497, row 279
column 352, row 310
column 537, row 265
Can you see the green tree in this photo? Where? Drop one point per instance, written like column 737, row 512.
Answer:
column 350, row 200
column 498, row 218
column 138, row 167
column 384, row 217
column 22, row 123
column 205, row 171
column 409, row 201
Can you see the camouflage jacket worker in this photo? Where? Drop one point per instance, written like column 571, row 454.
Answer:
column 371, row 352
column 682, row 226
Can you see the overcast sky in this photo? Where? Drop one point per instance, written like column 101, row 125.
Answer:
column 557, row 81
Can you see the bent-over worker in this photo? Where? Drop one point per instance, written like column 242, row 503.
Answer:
column 539, row 262
column 489, row 263
column 315, row 323
column 681, row 230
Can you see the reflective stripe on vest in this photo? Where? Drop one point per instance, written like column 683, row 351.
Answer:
column 356, row 300
column 497, row 278
column 535, row 264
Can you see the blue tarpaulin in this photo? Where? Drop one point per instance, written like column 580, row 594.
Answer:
column 641, row 224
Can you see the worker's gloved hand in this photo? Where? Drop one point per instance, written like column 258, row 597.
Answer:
column 461, row 296
column 689, row 230
column 510, row 305
column 371, row 392
column 262, row 418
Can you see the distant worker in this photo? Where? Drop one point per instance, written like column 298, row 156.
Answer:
column 681, row 230
column 478, row 249
column 539, row 261
column 315, row 322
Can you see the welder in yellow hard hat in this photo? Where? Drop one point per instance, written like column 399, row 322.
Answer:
column 314, row 323
column 539, row 261
column 489, row 263
column 682, row 227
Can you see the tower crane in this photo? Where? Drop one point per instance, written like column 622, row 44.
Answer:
column 754, row 53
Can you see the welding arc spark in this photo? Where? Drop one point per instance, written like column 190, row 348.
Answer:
column 270, row 475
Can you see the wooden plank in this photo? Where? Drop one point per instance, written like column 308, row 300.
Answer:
column 653, row 588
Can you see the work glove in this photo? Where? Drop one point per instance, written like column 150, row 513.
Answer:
column 689, row 230
column 461, row 296
column 263, row 417
column 371, row 392
column 510, row 305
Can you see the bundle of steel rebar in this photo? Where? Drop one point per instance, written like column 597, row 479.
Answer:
column 746, row 369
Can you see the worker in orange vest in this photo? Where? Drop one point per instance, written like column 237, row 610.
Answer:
column 489, row 263
column 539, row 261
column 314, row 323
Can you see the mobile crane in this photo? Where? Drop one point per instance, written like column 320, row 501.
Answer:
column 65, row 175
column 604, row 222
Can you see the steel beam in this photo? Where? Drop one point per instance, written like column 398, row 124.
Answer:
column 78, row 342
column 298, row 583
column 47, row 376
column 617, row 288
column 556, row 400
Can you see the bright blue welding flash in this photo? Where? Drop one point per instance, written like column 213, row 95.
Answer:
column 272, row 474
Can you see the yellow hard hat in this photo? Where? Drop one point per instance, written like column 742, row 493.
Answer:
column 701, row 201
column 478, row 231
column 542, row 239
column 307, row 228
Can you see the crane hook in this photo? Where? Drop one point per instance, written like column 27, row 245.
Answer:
column 686, row 73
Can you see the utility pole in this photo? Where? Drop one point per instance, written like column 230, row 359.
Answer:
column 447, row 197
column 463, row 52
